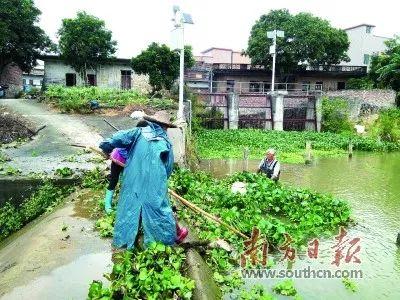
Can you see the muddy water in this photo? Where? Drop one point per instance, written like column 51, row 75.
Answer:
column 43, row 261
column 371, row 184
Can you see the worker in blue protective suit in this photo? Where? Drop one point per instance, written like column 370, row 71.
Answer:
column 143, row 197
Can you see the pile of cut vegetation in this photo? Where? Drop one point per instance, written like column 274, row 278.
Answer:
column 12, row 127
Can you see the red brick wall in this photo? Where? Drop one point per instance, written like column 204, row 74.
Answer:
column 12, row 76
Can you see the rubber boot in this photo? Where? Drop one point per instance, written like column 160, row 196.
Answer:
column 181, row 233
column 108, row 201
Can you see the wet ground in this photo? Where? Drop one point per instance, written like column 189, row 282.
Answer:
column 42, row 261
column 371, row 184
column 51, row 148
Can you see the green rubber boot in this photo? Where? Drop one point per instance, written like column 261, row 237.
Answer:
column 108, row 201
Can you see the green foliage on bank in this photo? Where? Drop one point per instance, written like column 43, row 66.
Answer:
column 336, row 115
column 289, row 144
column 153, row 273
column 13, row 218
column 387, row 126
column 76, row 99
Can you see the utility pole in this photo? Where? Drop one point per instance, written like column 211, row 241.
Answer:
column 272, row 50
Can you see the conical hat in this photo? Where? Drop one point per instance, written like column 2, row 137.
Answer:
column 161, row 117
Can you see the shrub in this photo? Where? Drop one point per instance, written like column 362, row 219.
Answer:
column 359, row 84
column 387, row 126
column 336, row 115
column 77, row 98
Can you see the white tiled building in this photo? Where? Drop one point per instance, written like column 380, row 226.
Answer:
column 363, row 44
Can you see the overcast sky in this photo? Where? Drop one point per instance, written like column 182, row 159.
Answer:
column 218, row 23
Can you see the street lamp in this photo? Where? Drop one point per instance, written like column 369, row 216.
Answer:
column 181, row 18
column 272, row 50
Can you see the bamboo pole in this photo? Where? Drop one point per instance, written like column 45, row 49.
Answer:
column 210, row 216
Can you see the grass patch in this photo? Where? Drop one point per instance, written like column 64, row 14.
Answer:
column 77, row 99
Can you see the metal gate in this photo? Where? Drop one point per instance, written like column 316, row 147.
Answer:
column 299, row 112
column 255, row 111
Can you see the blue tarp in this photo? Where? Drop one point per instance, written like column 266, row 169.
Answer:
column 144, row 189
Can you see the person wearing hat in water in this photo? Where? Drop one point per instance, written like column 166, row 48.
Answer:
column 270, row 166
column 143, row 198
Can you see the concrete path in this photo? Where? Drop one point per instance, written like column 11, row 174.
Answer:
column 51, row 148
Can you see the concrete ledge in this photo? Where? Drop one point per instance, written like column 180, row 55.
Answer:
column 198, row 270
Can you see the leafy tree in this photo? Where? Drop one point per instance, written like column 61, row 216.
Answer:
column 364, row 83
column 308, row 40
column 385, row 67
column 161, row 64
column 85, row 43
column 21, row 40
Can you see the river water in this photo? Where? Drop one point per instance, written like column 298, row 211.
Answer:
column 371, row 184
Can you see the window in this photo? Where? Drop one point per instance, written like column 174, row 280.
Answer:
column 91, row 79
column 254, row 87
column 126, row 79
column 368, row 29
column 341, row 85
column 230, row 85
column 305, row 85
column 30, row 81
column 24, row 81
column 70, row 79
column 266, row 86
column 366, row 59
column 243, row 66
column 318, row 85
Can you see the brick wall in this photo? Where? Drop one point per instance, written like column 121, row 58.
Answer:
column 12, row 76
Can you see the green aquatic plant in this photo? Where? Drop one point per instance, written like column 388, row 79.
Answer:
column 290, row 145
column 274, row 209
column 153, row 273
column 105, row 225
column 285, row 288
column 64, row 172
column 349, row 284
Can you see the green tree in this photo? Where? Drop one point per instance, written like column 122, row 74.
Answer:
column 308, row 40
column 85, row 43
column 385, row 67
column 161, row 64
column 21, row 40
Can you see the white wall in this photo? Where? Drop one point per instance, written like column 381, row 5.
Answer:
column 107, row 76
column 362, row 43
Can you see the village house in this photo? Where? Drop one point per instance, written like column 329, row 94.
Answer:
column 116, row 74
column 221, row 69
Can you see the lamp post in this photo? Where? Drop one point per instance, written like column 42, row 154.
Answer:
column 180, row 19
column 272, row 50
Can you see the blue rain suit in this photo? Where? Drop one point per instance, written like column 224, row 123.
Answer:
column 144, row 189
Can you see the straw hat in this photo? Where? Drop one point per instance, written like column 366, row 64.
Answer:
column 161, row 117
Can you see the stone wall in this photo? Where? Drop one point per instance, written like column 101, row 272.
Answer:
column 365, row 102
column 12, row 76
column 382, row 98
